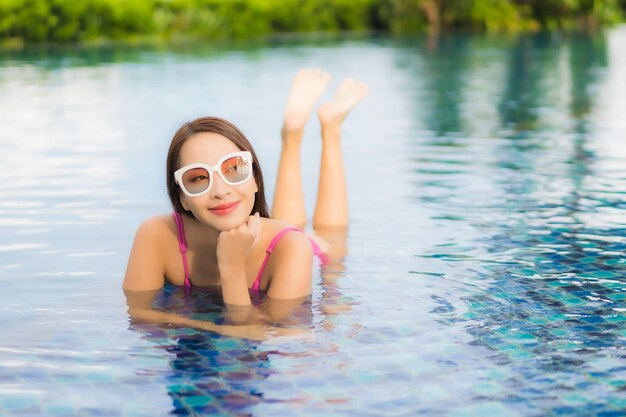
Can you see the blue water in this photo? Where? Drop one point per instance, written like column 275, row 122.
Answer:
column 486, row 266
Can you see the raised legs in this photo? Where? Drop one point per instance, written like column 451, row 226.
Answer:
column 331, row 209
column 307, row 86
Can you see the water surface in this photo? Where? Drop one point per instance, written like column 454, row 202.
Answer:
column 487, row 180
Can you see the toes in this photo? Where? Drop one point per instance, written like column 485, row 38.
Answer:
column 314, row 73
column 346, row 82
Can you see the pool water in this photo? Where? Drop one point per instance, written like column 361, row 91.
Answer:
column 486, row 268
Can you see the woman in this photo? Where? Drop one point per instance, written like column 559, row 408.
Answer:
column 221, row 232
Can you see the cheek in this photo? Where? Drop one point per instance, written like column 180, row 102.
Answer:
column 252, row 191
column 250, row 188
column 183, row 201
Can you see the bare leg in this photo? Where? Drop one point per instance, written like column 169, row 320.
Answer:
column 306, row 88
column 331, row 209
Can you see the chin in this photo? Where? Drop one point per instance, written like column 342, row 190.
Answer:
column 224, row 226
column 227, row 223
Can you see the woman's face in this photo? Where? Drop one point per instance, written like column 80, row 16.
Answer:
column 225, row 206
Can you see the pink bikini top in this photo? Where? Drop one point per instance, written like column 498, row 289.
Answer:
column 182, row 246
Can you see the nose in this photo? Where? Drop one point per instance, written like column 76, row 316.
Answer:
column 219, row 189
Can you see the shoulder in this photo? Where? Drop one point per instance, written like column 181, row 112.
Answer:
column 145, row 269
column 292, row 266
column 274, row 225
column 156, row 227
column 295, row 242
column 158, row 223
column 289, row 236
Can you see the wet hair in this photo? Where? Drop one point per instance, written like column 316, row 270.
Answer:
column 229, row 131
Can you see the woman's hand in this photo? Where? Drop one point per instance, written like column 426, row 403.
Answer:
column 234, row 245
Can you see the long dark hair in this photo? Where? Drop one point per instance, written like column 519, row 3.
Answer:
column 229, row 131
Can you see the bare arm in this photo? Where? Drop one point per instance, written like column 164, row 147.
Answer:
column 232, row 250
column 145, row 269
column 281, row 311
column 292, row 270
column 291, row 277
column 140, row 309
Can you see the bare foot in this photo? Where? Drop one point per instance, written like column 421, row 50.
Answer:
column 306, row 88
column 348, row 94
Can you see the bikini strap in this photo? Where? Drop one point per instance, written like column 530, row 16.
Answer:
column 182, row 244
column 268, row 252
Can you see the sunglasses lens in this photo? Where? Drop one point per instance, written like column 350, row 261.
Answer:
column 196, row 180
column 236, row 169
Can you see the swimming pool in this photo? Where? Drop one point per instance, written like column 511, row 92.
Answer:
column 487, row 182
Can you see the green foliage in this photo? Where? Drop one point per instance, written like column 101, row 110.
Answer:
column 499, row 15
column 240, row 18
column 402, row 16
column 79, row 20
column 568, row 14
column 492, row 15
column 72, row 20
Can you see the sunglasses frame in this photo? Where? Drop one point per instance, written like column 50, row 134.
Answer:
column 178, row 175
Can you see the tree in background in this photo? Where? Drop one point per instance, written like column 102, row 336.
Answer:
column 88, row 20
column 403, row 16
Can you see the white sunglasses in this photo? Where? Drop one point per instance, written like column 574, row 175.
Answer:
column 196, row 179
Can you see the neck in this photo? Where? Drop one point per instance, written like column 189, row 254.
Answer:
column 198, row 234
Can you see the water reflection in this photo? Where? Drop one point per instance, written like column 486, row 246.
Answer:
column 551, row 309
column 210, row 374
column 487, row 187
column 220, row 368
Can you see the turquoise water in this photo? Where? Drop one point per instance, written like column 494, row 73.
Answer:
column 486, row 266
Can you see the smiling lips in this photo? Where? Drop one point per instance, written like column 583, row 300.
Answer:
column 224, row 209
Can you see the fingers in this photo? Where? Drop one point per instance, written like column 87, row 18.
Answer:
column 251, row 227
column 254, row 225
